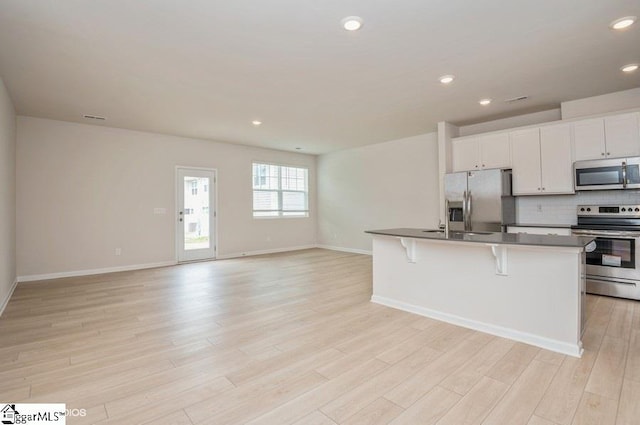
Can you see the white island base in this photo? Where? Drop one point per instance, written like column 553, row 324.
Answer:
column 532, row 294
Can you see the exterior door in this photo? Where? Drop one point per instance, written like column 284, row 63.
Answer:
column 196, row 232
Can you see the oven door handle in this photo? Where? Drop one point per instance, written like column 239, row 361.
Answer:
column 604, row 233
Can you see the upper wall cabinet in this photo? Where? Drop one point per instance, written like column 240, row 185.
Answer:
column 481, row 152
column 557, row 159
column 525, row 158
column 542, row 160
column 609, row 137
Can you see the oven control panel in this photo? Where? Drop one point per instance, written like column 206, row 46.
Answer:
column 632, row 211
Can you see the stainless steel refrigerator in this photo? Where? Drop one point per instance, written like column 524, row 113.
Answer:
column 479, row 200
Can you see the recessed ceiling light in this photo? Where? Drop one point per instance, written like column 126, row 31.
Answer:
column 484, row 102
column 446, row 79
column 622, row 23
column 629, row 68
column 256, row 122
column 352, row 23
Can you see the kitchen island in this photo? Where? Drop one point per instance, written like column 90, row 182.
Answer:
column 529, row 288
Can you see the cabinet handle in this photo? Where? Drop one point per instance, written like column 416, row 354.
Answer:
column 602, row 154
column 608, row 153
column 538, row 188
column 482, row 165
column 476, row 166
column 543, row 188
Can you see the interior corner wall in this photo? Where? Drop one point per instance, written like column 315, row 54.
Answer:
column 85, row 190
column 7, row 195
column 606, row 103
column 511, row 122
column 386, row 185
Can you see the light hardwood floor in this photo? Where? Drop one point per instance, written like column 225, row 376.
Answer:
column 293, row 339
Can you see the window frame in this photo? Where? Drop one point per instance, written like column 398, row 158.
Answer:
column 280, row 212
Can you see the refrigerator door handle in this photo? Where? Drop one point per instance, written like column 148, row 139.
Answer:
column 469, row 209
column 464, row 210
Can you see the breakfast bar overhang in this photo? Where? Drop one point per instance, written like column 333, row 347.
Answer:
column 530, row 288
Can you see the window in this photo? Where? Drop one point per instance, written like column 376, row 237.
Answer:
column 280, row 191
column 194, row 187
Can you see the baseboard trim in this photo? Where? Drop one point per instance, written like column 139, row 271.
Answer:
column 546, row 343
column 264, row 251
column 76, row 273
column 37, row 277
column 351, row 250
column 5, row 302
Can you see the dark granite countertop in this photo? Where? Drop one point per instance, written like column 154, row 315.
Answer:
column 489, row 238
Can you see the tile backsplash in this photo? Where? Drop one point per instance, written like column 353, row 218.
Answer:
column 561, row 209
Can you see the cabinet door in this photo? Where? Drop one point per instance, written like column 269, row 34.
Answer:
column 525, row 161
column 494, row 151
column 556, row 159
column 465, row 154
column 588, row 136
column 622, row 135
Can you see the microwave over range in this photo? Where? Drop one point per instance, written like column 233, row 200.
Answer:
column 607, row 174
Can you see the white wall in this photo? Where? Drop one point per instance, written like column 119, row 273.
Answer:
column 610, row 102
column 511, row 122
column 85, row 190
column 561, row 209
column 392, row 184
column 7, row 195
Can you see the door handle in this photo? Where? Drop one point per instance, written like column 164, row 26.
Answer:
column 464, row 210
column 605, row 234
column 469, row 210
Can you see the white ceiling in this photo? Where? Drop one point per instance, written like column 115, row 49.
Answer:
column 207, row 68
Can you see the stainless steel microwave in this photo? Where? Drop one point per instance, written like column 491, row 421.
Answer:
column 607, row 174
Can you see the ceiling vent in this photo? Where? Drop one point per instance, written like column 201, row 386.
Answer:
column 517, row 99
column 94, row 117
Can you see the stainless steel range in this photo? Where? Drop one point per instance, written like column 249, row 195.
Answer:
column 613, row 268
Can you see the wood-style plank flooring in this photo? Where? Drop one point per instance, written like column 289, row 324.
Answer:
column 293, row 339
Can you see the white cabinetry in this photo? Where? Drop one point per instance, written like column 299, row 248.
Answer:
column 494, row 150
column 465, row 154
column 609, row 137
column 542, row 160
column 525, row 158
column 557, row 159
column 481, row 152
column 542, row 157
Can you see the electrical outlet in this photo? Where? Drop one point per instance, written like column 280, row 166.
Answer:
column 118, row 251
